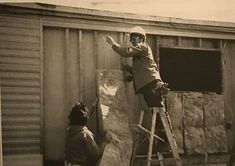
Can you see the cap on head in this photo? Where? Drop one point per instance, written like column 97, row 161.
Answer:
column 139, row 31
column 79, row 114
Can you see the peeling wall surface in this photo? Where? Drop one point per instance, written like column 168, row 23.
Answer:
column 113, row 105
column 198, row 122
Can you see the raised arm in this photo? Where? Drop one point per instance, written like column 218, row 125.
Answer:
column 127, row 51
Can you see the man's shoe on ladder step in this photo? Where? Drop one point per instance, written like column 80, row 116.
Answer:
column 151, row 158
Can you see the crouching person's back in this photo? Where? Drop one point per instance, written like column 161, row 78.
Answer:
column 81, row 148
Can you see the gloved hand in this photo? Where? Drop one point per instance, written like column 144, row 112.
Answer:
column 128, row 68
column 110, row 40
column 129, row 78
column 161, row 88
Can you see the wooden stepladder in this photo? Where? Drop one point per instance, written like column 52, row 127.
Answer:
column 167, row 128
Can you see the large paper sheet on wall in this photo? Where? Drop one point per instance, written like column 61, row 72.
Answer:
column 113, row 107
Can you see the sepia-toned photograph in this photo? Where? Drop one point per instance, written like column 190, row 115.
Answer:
column 117, row 83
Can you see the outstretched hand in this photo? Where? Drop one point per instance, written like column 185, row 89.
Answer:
column 109, row 40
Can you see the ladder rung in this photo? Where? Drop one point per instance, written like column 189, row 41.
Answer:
column 145, row 156
column 167, row 161
column 154, row 155
column 148, row 132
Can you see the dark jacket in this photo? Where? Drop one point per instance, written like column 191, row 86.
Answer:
column 81, row 146
column 145, row 68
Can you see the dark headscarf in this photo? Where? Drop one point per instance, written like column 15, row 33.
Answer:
column 79, row 114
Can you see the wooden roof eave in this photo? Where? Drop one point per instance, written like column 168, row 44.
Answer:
column 152, row 24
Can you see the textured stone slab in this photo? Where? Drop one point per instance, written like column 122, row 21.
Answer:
column 202, row 116
column 194, row 140
column 213, row 109
column 216, row 140
column 175, row 109
column 112, row 100
column 179, row 139
column 193, row 109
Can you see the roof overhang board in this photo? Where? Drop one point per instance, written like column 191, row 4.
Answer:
column 79, row 18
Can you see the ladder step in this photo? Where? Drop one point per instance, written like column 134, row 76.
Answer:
column 167, row 161
column 153, row 155
column 145, row 156
column 141, row 128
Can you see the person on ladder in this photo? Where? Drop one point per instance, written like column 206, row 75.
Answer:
column 147, row 80
column 146, row 77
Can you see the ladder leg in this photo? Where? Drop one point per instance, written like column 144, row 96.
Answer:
column 141, row 117
column 150, row 150
column 160, row 158
column 137, row 139
column 170, row 136
column 170, row 126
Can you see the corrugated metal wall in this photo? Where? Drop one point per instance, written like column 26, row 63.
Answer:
column 20, row 83
column 71, row 57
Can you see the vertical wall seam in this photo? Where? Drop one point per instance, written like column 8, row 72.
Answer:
column 200, row 43
column 179, row 41
column 42, row 148
column 204, row 127
column 81, row 66
column 183, row 126
column 96, row 50
column 67, row 89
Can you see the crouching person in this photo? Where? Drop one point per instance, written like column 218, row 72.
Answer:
column 81, row 148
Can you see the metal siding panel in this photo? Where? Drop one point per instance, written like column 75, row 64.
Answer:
column 152, row 43
column 107, row 58
column 1, row 129
column 20, row 76
column 228, row 54
column 210, row 43
column 21, row 97
column 19, row 46
column 168, row 41
column 17, row 105
column 20, row 60
column 21, row 150
column 19, row 68
column 20, row 82
column 89, row 66
column 20, row 90
column 232, row 79
column 73, row 67
column 189, row 42
column 26, row 31
column 54, row 93
column 21, row 134
column 19, row 38
column 21, row 112
column 19, row 53
column 20, row 120
column 20, row 128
